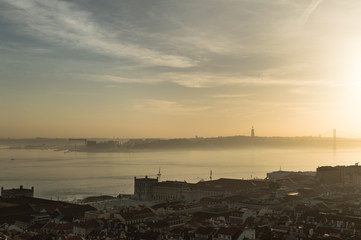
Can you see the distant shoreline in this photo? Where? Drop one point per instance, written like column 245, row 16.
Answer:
column 134, row 145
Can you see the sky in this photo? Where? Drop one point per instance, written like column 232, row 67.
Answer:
column 171, row 68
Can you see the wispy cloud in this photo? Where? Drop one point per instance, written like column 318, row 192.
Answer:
column 61, row 23
column 166, row 107
column 208, row 80
column 117, row 79
column 230, row 95
column 205, row 80
column 309, row 10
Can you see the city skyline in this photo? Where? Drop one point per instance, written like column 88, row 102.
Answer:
column 173, row 69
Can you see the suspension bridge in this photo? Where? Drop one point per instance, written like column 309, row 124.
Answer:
column 333, row 133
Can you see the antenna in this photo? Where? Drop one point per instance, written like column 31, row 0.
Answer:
column 159, row 174
column 210, row 175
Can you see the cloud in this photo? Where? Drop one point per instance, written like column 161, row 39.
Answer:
column 309, row 10
column 116, row 79
column 230, row 95
column 210, row 80
column 61, row 23
column 206, row 80
column 166, row 107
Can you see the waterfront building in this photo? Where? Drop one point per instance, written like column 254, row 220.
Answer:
column 150, row 189
column 285, row 174
column 143, row 187
column 17, row 192
column 349, row 175
column 174, row 190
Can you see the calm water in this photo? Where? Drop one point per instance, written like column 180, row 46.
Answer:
column 75, row 175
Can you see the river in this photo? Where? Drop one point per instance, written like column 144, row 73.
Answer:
column 74, row 175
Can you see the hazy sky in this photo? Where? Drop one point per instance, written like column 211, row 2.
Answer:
column 179, row 68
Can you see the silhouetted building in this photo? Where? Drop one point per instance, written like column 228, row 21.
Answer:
column 150, row 189
column 17, row 192
column 174, row 190
column 143, row 187
column 284, row 174
column 340, row 174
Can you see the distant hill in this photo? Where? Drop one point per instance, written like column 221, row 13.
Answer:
column 234, row 142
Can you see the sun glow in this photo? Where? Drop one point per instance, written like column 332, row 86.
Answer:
column 350, row 89
column 342, row 108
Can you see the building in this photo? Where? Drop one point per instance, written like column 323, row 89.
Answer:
column 135, row 216
column 83, row 228
column 285, row 174
column 228, row 186
column 150, row 189
column 174, row 190
column 349, row 175
column 98, row 214
column 17, row 192
column 143, row 187
column 228, row 233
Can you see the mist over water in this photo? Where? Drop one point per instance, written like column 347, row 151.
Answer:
column 74, row 175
